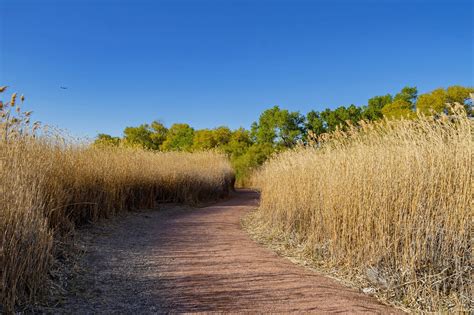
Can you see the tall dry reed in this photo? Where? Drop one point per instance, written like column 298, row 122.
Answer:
column 388, row 205
column 49, row 186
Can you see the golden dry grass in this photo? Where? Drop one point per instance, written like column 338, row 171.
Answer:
column 49, row 186
column 388, row 205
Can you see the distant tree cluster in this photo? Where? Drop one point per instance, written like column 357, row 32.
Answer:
column 278, row 129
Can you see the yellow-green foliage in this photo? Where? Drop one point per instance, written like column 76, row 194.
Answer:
column 48, row 187
column 399, row 109
column 436, row 100
column 389, row 202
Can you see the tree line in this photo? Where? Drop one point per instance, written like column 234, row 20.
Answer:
column 278, row 129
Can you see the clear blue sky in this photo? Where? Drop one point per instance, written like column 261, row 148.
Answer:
column 211, row 63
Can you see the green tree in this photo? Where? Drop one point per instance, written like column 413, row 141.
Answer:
column 139, row 137
column 222, row 135
column 105, row 140
column 339, row 117
column 407, row 94
column 159, row 133
column 373, row 111
column 399, row 109
column 265, row 130
column 145, row 136
column 403, row 104
column 291, row 128
column 278, row 127
column 433, row 102
column 205, row 139
column 353, row 114
column 179, row 138
column 459, row 94
column 315, row 123
column 437, row 100
column 253, row 157
column 239, row 142
column 330, row 120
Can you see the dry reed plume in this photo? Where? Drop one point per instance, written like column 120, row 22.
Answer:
column 49, row 186
column 387, row 205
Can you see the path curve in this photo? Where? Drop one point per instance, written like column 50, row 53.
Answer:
column 198, row 260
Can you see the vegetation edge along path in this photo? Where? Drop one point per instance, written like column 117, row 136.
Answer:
column 197, row 260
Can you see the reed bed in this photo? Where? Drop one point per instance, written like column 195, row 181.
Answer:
column 49, row 186
column 386, row 205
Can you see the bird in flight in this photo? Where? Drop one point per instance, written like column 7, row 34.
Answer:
column 63, row 87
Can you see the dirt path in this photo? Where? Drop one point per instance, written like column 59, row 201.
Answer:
column 198, row 260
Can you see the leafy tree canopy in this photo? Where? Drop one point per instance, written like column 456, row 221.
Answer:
column 374, row 107
column 279, row 127
column 140, row 137
column 399, row 109
column 105, row 140
column 179, row 138
column 206, row 139
column 407, row 94
column 239, row 143
column 436, row 101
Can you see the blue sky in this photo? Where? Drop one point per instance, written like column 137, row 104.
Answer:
column 211, row 63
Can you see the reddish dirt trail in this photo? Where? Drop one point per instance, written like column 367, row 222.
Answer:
column 200, row 260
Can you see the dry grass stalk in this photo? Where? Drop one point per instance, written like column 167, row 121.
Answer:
column 49, row 186
column 390, row 202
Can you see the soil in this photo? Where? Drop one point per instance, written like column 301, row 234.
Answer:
column 181, row 259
